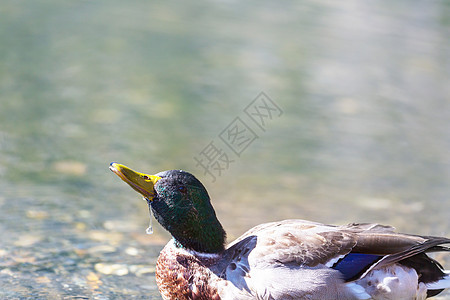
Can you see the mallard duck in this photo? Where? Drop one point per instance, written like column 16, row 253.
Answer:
column 290, row 259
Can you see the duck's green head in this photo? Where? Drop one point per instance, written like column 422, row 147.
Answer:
column 181, row 205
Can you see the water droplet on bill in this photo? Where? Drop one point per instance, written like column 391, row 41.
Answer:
column 149, row 230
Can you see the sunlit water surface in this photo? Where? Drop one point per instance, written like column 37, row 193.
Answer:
column 363, row 134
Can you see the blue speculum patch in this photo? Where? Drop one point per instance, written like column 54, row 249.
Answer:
column 355, row 264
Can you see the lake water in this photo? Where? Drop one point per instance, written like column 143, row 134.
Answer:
column 353, row 126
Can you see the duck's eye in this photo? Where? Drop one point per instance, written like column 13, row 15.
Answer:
column 182, row 189
column 146, row 177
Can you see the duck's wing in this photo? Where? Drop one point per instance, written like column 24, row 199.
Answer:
column 295, row 250
column 309, row 244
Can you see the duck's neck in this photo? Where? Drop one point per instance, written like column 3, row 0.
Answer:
column 204, row 235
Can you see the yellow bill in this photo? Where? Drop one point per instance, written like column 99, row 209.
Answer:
column 142, row 183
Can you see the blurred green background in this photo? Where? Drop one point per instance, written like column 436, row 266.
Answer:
column 364, row 135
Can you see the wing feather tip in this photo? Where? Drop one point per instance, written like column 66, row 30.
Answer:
column 443, row 283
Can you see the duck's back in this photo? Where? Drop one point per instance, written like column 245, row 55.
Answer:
column 296, row 259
